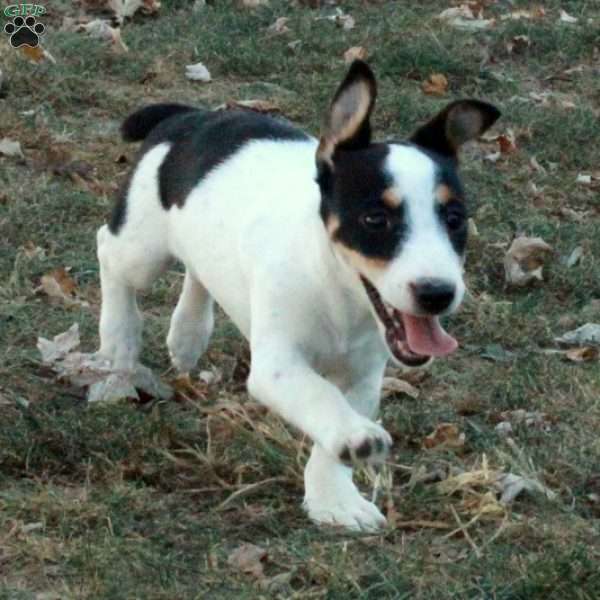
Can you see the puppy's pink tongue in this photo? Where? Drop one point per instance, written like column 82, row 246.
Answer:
column 426, row 336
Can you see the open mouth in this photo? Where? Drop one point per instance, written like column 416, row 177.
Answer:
column 411, row 339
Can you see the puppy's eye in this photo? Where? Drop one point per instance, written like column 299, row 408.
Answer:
column 375, row 221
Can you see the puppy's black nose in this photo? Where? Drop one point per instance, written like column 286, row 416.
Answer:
column 433, row 295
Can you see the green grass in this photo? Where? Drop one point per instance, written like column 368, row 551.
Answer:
column 148, row 500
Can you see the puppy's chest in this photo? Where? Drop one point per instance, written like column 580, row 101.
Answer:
column 342, row 354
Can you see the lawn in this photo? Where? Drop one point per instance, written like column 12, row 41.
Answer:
column 156, row 499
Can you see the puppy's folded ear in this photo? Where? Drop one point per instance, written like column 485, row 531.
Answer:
column 347, row 122
column 459, row 122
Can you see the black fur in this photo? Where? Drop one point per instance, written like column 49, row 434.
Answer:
column 201, row 140
column 139, row 124
column 204, row 140
column 436, row 136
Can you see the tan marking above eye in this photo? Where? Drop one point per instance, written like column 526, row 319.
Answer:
column 444, row 194
column 391, row 198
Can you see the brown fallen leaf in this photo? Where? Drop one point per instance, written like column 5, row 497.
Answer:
column 436, row 85
column 445, row 435
column 392, row 385
column 584, row 354
column 249, row 559
column 37, row 54
column 524, row 260
column 58, row 284
column 507, row 142
column 355, row 53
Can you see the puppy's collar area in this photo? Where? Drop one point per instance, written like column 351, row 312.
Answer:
column 411, row 339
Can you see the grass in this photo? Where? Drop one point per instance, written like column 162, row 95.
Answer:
column 148, row 500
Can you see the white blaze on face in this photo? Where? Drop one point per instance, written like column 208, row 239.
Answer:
column 426, row 250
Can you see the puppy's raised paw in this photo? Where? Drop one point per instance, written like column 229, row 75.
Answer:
column 367, row 443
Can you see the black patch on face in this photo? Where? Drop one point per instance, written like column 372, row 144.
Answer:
column 204, row 140
column 353, row 190
column 452, row 214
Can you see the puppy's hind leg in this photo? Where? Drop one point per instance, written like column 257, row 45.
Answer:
column 191, row 325
column 126, row 265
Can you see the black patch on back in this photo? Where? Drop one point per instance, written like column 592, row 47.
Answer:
column 204, row 140
column 356, row 187
column 201, row 140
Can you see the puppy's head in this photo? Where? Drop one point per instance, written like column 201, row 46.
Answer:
column 395, row 213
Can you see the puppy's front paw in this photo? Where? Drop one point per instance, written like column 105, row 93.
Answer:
column 367, row 442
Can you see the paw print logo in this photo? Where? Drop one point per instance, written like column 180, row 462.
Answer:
column 24, row 32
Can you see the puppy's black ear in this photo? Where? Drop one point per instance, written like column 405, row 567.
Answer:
column 347, row 122
column 459, row 122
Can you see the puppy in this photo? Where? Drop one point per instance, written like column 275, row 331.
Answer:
column 331, row 256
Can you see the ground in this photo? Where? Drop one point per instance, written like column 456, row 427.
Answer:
column 155, row 499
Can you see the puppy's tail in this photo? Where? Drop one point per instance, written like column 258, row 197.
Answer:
column 139, row 124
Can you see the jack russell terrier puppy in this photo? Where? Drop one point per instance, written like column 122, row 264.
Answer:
column 331, row 256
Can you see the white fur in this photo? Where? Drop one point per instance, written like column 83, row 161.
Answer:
column 251, row 238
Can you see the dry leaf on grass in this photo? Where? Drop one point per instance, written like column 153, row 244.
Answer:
column 511, row 485
column 355, row 53
column 10, row 147
column 573, row 258
column 518, row 44
column 279, row 27
column 445, row 435
column 586, row 335
column 58, row 284
column 584, row 354
column 391, row 385
column 84, row 370
column 253, row 3
column 124, row 9
column 37, row 54
column 565, row 17
column 524, row 260
column 249, row 559
column 462, row 17
column 30, row 250
column 60, row 345
column 346, row 22
column 436, row 85
column 262, row 106
column 102, row 30
column 584, row 179
column 341, row 19
column 198, row 72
